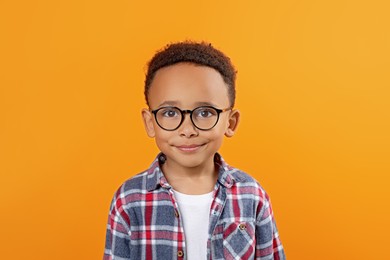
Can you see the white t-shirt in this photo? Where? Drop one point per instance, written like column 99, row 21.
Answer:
column 195, row 211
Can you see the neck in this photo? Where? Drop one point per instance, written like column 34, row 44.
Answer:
column 191, row 180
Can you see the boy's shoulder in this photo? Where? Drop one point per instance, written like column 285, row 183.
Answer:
column 230, row 172
column 242, row 179
column 242, row 176
column 231, row 176
column 144, row 181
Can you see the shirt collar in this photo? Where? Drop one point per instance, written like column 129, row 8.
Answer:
column 156, row 178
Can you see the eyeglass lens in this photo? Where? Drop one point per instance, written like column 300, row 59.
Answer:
column 170, row 118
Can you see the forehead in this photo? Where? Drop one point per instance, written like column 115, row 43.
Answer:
column 188, row 85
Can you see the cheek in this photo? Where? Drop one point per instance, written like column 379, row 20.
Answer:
column 222, row 125
column 162, row 141
column 217, row 132
column 162, row 135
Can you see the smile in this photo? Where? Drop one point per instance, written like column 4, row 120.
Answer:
column 189, row 148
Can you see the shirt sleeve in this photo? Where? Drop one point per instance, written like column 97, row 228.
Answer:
column 118, row 232
column 268, row 244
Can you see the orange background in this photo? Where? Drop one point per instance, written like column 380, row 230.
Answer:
column 313, row 89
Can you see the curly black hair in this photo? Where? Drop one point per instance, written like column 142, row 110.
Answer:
column 199, row 53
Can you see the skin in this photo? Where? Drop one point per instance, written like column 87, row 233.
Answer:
column 189, row 167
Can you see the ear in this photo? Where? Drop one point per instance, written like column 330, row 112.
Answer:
column 148, row 122
column 234, row 119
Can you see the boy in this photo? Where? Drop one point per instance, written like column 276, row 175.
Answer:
column 190, row 204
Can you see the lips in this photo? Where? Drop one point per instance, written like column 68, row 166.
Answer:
column 189, row 148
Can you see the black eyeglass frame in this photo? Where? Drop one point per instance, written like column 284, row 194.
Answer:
column 187, row 111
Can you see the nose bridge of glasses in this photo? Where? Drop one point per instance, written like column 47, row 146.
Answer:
column 187, row 111
column 184, row 113
column 190, row 120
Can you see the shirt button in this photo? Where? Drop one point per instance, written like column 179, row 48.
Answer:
column 176, row 213
column 242, row 226
column 180, row 253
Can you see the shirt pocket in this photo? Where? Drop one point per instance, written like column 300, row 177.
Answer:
column 239, row 240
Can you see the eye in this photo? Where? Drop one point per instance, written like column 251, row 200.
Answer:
column 205, row 112
column 169, row 112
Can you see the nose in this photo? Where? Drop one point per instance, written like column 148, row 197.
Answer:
column 187, row 128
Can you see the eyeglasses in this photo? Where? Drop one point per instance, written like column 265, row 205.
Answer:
column 204, row 117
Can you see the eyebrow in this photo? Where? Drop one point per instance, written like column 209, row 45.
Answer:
column 176, row 103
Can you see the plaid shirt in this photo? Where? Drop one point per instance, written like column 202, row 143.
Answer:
column 145, row 223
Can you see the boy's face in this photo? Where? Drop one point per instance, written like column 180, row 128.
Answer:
column 188, row 86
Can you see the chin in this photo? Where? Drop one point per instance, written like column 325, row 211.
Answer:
column 188, row 160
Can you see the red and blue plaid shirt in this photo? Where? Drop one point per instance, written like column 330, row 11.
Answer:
column 145, row 223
